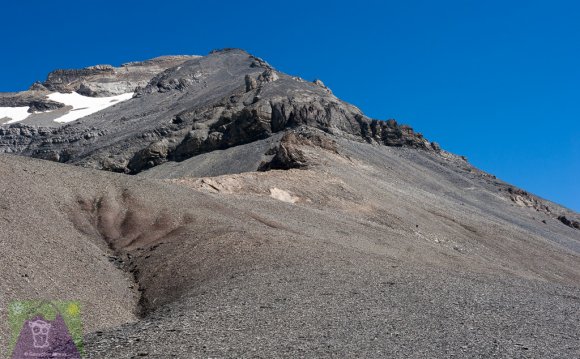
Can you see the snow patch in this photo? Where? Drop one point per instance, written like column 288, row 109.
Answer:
column 15, row 114
column 83, row 105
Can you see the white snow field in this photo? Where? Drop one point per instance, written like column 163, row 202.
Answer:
column 81, row 106
column 15, row 114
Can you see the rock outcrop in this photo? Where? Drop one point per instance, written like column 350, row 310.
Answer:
column 289, row 154
column 569, row 222
column 35, row 100
column 106, row 80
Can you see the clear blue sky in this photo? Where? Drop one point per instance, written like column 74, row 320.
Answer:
column 497, row 81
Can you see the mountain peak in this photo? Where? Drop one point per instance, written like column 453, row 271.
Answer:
column 191, row 105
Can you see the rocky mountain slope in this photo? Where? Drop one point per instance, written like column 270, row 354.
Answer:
column 254, row 214
column 225, row 99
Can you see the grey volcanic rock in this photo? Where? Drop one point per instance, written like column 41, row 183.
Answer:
column 19, row 137
column 106, row 80
column 288, row 154
column 319, row 82
column 568, row 222
column 64, row 80
column 235, row 97
column 252, row 83
column 155, row 154
column 36, row 100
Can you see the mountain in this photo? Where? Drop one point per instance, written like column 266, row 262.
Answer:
column 221, row 208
